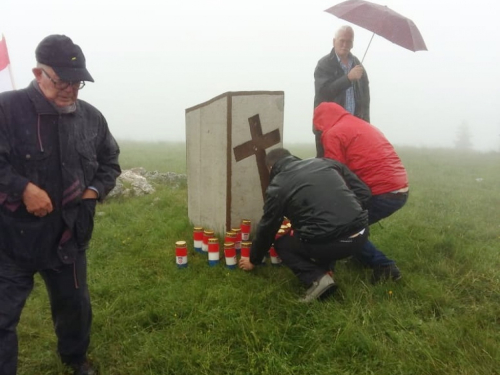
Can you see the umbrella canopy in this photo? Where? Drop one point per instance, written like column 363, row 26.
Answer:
column 381, row 21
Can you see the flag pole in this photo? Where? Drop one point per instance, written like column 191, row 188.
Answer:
column 11, row 77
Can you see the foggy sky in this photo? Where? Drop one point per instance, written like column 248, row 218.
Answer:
column 153, row 59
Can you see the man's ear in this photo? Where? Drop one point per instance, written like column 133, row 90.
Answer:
column 37, row 72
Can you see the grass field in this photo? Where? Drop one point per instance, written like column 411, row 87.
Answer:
column 443, row 317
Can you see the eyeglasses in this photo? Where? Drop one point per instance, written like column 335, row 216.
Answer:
column 63, row 85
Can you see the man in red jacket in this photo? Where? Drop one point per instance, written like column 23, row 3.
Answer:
column 366, row 152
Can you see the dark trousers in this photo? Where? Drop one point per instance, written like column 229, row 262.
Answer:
column 381, row 206
column 70, row 307
column 310, row 261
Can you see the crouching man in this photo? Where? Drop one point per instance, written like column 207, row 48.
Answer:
column 324, row 202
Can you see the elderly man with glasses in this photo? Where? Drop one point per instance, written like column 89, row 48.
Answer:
column 57, row 159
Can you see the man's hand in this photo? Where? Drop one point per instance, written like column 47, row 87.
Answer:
column 89, row 194
column 246, row 265
column 37, row 201
column 356, row 73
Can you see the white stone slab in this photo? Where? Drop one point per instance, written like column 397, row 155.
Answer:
column 221, row 189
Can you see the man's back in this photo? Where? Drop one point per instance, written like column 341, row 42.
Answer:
column 315, row 197
column 361, row 147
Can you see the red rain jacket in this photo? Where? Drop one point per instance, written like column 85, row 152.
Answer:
column 361, row 147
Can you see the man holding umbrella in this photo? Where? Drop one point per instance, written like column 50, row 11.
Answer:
column 339, row 77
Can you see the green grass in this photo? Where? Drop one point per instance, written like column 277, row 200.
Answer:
column 152, row 318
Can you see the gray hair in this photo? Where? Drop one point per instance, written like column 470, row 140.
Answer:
column 344, row 29
column 42, row 66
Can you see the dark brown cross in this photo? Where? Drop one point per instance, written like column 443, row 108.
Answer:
column 257, row 146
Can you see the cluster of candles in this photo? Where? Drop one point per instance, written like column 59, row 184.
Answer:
column 236, row 242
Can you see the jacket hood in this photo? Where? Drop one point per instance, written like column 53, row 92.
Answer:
column 327, row 114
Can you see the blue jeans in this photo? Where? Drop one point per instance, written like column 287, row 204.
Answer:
column 381, row 206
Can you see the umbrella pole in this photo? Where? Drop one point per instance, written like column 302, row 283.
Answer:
column 367, row 48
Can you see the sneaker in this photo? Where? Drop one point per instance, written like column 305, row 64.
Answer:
column 382, row 273
column 323, row 285
column 84, row 368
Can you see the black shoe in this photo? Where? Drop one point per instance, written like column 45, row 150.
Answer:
column 382, row 273
column 84, row 368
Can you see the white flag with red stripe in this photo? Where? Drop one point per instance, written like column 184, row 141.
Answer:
column 6, row 82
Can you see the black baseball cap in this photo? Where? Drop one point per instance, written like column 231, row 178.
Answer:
column 66, row 58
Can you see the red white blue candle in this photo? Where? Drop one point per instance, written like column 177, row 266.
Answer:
column 237, row 243
column 245, row 249
column 230, row 237
column 198, row 239
column 181, row 254
column 275, row 259
column 281, row 232
column 207, row 234
column 245, row 229
column 230, row 255
column 213, row 252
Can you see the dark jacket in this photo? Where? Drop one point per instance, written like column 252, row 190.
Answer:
column 322, row 199
column 62, row 154
column 330, row 85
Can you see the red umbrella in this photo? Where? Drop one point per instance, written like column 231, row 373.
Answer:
column 382, row 21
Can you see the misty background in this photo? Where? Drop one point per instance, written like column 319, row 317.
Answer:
column 151, row 60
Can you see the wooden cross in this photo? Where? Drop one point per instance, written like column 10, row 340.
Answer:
column 257, row 146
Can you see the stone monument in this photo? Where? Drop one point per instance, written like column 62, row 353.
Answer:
column 227, row 138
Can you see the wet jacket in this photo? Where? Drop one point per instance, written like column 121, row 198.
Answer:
column 361, row 147
column 331, row 83
column 62, row 154
column 322, row 199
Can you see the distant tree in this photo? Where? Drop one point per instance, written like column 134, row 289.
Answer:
column 464, row 137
